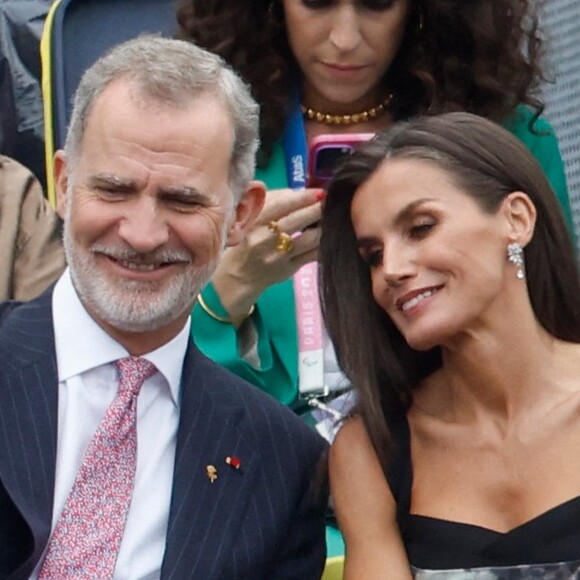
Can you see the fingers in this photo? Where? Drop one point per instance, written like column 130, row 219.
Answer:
column 303, row 249
column 271, row 254
column 299, row 219
column 306, row 243
column 283, row 202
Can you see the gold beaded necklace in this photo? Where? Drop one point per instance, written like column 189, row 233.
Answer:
column 361, row 117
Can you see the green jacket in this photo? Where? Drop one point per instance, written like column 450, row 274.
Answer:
column 274, row 314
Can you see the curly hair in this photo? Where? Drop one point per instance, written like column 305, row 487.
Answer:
column 487, row 66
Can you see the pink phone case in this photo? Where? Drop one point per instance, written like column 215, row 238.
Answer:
column 326, row 150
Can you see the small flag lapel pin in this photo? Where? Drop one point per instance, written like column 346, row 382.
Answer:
column 233, row 462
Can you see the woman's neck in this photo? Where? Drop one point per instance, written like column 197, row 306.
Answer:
column 500, row 371
column 313, row 128
column 368, row 114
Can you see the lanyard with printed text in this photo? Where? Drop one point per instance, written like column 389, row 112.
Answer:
column 308, row 314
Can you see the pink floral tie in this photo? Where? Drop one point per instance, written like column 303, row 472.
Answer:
column 88, row 534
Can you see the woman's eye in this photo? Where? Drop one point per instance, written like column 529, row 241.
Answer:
column 375, row 5
column 373, row 258
column 317, row 4
column 378, row 5
column 421, row 229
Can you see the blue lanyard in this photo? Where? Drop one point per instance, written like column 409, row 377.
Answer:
column 295, row 149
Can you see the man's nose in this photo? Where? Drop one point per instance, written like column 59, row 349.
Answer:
column 144, row 228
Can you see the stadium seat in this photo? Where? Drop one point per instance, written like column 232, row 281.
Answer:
column 75, row 34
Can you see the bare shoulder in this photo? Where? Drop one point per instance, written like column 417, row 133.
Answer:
column 352, row 435
column 365, row 507
column 354, row 465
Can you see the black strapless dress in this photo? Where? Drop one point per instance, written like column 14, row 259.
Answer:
column 546, row 547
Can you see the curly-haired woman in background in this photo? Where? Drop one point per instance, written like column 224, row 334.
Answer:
column 336, row 66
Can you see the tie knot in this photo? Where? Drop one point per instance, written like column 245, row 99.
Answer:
column 133, row 371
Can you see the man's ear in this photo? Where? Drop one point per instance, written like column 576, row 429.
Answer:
column 520, row 212
column 247, row 211
column 61, row 181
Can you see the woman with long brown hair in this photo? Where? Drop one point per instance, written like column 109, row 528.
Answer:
column 463, row 344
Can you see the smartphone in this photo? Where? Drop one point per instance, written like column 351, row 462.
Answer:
column 327, row 150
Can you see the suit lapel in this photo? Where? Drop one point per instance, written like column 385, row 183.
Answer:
column 28, row 414
column 205, row 516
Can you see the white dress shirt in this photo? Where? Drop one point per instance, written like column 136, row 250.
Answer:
column 87, row 385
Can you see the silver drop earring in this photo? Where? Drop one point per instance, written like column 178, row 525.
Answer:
column 516, row 257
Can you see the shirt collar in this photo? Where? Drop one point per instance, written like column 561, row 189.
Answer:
column 81, row 344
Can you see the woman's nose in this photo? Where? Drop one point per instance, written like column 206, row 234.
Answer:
column 345, row 32
column 398, row 265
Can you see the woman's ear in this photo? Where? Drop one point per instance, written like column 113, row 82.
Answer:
column 246, row 212
column 520, row 213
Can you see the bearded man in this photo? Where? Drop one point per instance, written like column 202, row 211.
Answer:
column 126, row 453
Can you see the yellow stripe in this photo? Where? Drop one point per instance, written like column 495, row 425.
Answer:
column 47, row 89
column 334, row 568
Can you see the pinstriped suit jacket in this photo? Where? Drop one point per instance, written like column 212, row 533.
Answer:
column 261, row 521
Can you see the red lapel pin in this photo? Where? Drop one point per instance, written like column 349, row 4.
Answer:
column 233, row 462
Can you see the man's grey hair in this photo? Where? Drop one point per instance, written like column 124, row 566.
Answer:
column 174, row 72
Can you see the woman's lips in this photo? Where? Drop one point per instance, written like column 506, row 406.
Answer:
column 344, row 66
column 412, row 299
column 343, row 70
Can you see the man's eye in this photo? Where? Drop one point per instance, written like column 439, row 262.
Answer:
column 111, row 192
column 183, row 203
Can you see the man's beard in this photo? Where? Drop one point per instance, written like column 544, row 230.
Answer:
column 133, row 305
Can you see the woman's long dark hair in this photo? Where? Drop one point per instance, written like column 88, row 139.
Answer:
column 480, row 56
column 488, row 163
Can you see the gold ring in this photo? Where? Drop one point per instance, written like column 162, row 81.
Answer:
column 284, row 241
